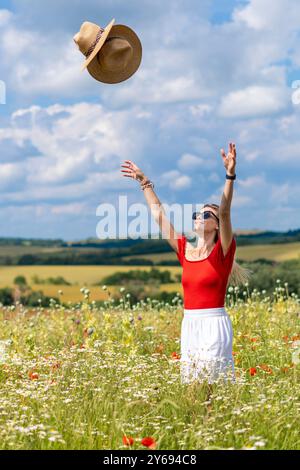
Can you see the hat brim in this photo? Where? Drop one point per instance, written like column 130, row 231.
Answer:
column 109, row 76
column 100, row 43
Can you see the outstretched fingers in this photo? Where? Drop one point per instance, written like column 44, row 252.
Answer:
column 131, row 164
column 223, row 154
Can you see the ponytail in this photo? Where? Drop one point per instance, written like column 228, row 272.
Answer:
column 239, row 275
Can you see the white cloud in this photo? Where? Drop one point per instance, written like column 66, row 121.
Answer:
column 252, row 181
column 269, row 15
column 75, row 208
column 189, row 161
column 5, row 17
column 11, row 175
column 73, row 143
column 199, row 85
column 254, row 101
column 175, row 180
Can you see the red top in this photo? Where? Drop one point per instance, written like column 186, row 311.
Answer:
column 204, row 282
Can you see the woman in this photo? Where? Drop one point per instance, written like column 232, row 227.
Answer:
column 206, row 331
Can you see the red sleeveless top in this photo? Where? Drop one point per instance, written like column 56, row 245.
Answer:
column 204, row 282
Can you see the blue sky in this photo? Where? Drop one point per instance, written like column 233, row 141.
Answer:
column 211, row 72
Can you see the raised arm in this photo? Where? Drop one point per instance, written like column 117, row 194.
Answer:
column 131, row 170
column 226, row 234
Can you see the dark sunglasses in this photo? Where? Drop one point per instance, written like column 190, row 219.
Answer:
column 204, row 215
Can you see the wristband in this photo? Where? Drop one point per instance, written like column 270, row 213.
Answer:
column 228, row 177
column 147, row 185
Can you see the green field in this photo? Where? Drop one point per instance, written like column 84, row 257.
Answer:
column 87, row 276
column 276, row 252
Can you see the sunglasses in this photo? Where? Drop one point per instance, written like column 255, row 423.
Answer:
column 204, row 215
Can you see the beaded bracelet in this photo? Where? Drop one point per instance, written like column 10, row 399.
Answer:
column 147, row 185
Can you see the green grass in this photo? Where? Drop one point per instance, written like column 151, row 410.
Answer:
column 105, row 373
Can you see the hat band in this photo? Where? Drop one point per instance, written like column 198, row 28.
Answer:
column 91, row 49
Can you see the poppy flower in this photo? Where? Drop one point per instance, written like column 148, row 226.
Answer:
column 149, row 442
column 33, row 375
column 128, row 441
column 234, row 353
column 252, row 371
column 175, row 356
column 253, row 340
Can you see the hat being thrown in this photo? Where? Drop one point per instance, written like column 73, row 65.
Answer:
column 112, row 54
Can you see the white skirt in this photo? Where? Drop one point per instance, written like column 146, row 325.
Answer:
column 206, row 345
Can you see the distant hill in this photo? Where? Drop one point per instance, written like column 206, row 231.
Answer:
column 248, row 232
column 92, row 251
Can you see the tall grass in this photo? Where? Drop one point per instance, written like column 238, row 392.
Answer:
column 83, row 377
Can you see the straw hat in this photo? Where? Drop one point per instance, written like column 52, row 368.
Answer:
column 113, row 54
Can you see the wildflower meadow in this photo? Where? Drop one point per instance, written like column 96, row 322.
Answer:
column 86, row 376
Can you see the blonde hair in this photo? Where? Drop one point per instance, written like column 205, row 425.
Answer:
column 238, row 274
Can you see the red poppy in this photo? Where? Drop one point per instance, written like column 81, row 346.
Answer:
column 253, row 340
column 285, row 338
column 175, row 356
column 128, row 441
column 33, row 375
column 234, row 353
column 149, row 442
column 252, row 371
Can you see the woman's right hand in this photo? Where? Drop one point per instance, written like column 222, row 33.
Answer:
column 132, row 171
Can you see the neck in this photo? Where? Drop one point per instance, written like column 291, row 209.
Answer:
column 206, row 239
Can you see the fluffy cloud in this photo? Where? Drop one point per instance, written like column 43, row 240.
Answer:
column 188, row 161
column 71, row 144
column 177, row 63
column 254, row 101
column 200, row 85
column 175, row 180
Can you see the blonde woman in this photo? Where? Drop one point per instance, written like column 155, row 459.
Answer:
column 208, row 268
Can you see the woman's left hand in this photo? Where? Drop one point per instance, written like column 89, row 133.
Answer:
column 229, row 160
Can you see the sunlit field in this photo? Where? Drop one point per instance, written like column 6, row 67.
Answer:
column 109, row 377
column 78, row 276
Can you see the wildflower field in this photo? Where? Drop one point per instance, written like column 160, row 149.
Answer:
column 108, row 377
